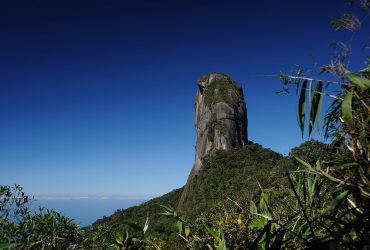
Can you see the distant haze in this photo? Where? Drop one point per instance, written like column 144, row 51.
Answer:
column 86, row 210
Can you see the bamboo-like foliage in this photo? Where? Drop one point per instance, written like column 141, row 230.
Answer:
column 191, row 239
column 343, row 220
column 332, row 197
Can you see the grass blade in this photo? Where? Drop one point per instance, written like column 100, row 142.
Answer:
column 301, row 206
column 315, row 106
column 302, row 107
column 347, row 108
column 212, row 233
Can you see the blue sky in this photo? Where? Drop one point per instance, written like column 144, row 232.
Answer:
column 97, row 97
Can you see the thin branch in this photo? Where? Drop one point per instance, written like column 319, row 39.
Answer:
column 312, row 79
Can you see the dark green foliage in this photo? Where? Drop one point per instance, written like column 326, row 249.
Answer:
column 316, row 107
column 228, row 178
column 311, row 151
column 302, row 106
column 24, row 229
column 232, row 174
column 214, row 125
column 332, row 191
column 219, row 92
column 159, row 226
column 49, row 229
column 227, row 174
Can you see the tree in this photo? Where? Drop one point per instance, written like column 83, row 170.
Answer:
column 23, row 229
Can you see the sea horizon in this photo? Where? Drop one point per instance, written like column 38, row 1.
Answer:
column 86, row 209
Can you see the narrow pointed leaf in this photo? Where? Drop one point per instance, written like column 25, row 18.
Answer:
column 212, row 233
column 310, row 95
column 314, row 107
column 301, row 206
column 337, row 201
column 297, row 87
column 347, row 165
column 347, row 108
column 167, row 208
column 330, row 177
column 307, row 165
column 365, row 70
column 319, row 107
column 253, row 208
column 179, row 226
column 187, row 231
column 302, row 106
column 358, row 80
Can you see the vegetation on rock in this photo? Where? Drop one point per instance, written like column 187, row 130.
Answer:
column 218, row 91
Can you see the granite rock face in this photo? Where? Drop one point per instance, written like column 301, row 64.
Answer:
column 220, row 122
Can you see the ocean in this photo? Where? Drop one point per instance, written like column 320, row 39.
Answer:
column 85, row 210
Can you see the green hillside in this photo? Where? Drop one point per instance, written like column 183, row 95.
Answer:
column 159, row 224
column 233, row 174
column 227, row 175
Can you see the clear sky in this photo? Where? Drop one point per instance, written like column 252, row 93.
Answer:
column 97, row 96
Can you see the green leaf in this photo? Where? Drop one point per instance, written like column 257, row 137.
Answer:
column 263, row 202
column 259, row 223
column 221, row 244
column 179, row 226
column 310, row 95
column 167, row 214
column 119, row 239
column 302, row 106
column 365, row 70
column 266, row 216
column 347, row 108
column 187, row 231
column 330, row 177
column 358, row 80
column 212, row 232
column 297, row 87
column 319, row 107
column 302, row 162
column 314, row 107
column 337, row 201
column 346, row 165
column 167, row 208
column 302, row 208
column 253, row 207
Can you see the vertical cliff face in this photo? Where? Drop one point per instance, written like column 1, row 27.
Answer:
column 220, row 122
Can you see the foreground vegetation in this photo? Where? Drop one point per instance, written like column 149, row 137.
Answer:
column 221, row 207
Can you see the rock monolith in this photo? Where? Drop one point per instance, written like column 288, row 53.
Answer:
column 220, row 122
